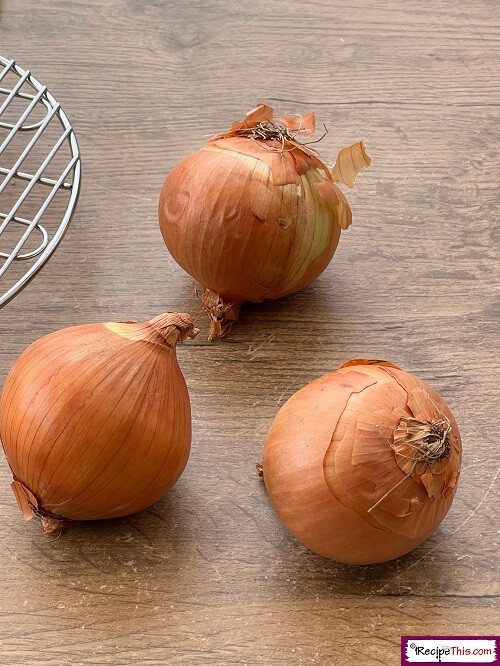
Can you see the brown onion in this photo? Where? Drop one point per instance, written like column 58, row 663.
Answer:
column 95, row 420
column 362, row 464
column 255, row 214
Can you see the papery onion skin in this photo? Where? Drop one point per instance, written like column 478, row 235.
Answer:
column 249, row 221
column 95, row 420
column 328, row 461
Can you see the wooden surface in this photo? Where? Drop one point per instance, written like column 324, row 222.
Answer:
column 209, row 575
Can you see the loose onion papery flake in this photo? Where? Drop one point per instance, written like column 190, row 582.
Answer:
column 95, row 420
column 255, row 214
column 362, row 464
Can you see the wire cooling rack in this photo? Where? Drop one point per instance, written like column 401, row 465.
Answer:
column 40, row 173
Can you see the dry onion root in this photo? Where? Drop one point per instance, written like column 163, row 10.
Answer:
column 362, row 464
column 95, row 420
column 255, row 214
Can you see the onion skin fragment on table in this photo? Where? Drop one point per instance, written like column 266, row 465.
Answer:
column 95, row 420
column 362, row 464
column 256, row 214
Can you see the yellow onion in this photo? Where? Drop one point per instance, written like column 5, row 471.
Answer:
column 362, row 464
column 95, row 420
column 255, row 214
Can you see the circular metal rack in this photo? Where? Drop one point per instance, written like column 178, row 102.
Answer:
column 40, row 174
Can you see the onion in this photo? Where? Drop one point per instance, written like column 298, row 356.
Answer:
column 255, row 214
column 95, row 420
column 362, row 464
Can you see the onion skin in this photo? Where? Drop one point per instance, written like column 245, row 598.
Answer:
column 95, row 420
column 249, row 221
column 328, row 461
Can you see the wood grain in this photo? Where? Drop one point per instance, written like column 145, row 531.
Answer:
column 209, row 575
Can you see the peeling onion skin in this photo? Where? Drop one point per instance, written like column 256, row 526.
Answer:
column 251, row 222
column 328, row 460
column 95, row 420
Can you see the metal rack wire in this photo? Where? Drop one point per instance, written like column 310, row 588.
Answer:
column 41, row 176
